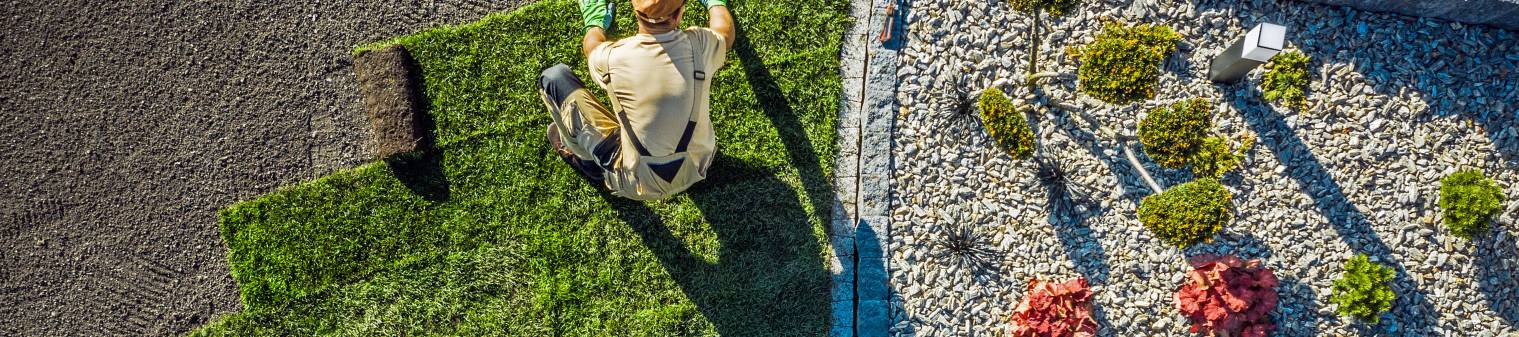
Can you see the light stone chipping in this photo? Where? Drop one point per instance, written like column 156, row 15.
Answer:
column 1395, row 104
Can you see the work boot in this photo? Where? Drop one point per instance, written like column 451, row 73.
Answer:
column 586, row 169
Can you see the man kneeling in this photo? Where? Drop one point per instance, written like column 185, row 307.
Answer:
column 657, row 139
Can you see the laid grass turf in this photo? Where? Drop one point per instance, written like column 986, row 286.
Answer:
column 493, row 235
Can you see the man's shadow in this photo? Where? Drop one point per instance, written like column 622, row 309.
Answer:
column 770, row 277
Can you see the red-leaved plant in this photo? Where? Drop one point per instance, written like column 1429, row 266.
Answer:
column 1229, row 297
column 1055, row 310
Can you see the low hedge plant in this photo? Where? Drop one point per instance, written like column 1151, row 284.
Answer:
column 1286, row 80
column 1469, row 200
column 1123, row 64
column 1363, row 292
column 1187, row 214
column 1006, row 124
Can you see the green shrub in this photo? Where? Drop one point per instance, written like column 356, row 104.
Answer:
column 1363, row 292
column 1053, row 7
column 1188, row 213
column 1214, row 158
column 1286, row 80
column 1470, row 200
column 1123, row 64
column 1173, row 134
column 1006, row 124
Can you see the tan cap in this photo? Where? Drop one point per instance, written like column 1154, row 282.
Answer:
column 657, row 11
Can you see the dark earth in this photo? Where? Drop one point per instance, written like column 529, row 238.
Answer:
column 126, row 125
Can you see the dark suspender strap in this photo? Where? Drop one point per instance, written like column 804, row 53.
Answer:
column 699, row 74
column 685, row 138
column 628, row 126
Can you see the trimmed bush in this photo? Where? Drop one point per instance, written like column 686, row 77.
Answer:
column 1214, row 158
column 1363, row 292
column 1054, row 310
column 1006, row 124
column 1226, row 296
column 1173, row 134
column 1469, row 200
column 1286, row 80
column 1188, row 213
column 1053, row 7
column 1123, row 64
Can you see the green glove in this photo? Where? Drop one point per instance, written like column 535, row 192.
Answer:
column 597, row 13
column 711, row 3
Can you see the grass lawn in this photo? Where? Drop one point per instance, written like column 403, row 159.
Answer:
column 494, row 235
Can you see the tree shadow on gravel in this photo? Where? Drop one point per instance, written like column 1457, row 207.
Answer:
column 1429, row 58
column 1497, row 258
column 1297, row 308
column 1413, row 314
column 1071, row 205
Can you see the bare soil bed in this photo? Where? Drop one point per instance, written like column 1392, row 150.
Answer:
column 125, row 126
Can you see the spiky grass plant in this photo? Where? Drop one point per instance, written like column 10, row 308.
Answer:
column 965, row 246
column 1064, row 193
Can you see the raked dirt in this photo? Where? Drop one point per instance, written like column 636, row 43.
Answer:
column 125, row 126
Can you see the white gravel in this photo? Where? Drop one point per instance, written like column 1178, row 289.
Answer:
column 1396, row 103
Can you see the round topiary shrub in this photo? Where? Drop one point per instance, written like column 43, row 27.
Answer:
column 1053, row 7
column 1286, row 80
column 1123, row 64
column 1173, row 134
column 1188, row 213
column 1363, row 292
column 1469, row 200
column 1006, row 124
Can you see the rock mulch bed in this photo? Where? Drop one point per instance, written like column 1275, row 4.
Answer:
column 1395, row 104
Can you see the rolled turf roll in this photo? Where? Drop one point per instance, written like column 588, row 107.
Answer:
column 388, row 80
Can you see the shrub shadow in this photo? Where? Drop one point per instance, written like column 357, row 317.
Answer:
column 1497, row 256
column 1297, row 308
column 1414, row 313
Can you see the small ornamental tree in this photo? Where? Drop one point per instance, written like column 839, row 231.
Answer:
column 1123, row 64
column 1363, row 292
column 1035, row 8
column 1054, row 310
column 1226, row 296
column 1286, row 80
column 1006, row 124
column 1187, row 214
column 1172, row 134
column 1469, row 200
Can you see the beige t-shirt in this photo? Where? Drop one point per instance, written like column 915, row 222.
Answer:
column 649, row 77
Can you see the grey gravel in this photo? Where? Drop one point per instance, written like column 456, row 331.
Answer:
column 1358, row 171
